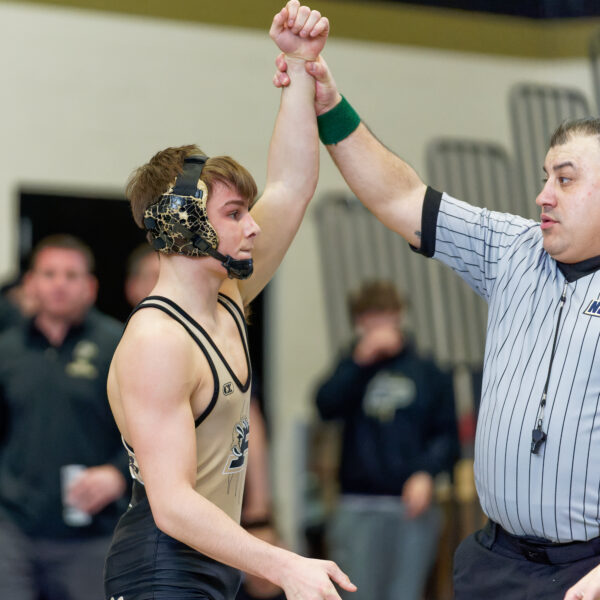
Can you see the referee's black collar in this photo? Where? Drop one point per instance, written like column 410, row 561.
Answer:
column 574, row 271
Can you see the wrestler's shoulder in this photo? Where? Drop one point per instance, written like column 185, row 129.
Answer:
column 155, row 329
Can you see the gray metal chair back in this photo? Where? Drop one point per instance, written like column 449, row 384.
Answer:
column 481, row 173
column 447, row 319
column 536, row 111
column 356, row 247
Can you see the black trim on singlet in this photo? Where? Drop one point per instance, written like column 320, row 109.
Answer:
column 243, row 337
column 239, row 311
column 216, row 383
column 243, row 386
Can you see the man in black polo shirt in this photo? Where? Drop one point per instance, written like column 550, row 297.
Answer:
column 54, row 412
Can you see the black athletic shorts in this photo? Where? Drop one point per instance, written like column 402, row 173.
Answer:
column 143, row 563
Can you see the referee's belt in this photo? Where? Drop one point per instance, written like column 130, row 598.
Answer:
column 542, row 551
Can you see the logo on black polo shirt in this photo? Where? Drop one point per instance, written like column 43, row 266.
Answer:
column 228, row 388
column 82, row 365
column 593, row 310
column 239, row 448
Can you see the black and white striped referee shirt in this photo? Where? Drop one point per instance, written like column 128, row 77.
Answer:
column 554, row 494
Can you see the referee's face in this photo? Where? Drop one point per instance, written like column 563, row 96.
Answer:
column 570, row 200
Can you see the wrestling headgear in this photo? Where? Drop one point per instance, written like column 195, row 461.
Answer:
column 179, row 223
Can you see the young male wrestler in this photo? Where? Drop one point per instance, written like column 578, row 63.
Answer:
column 179, row 385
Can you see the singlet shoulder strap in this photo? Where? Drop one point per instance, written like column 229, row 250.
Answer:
column 171, row 309
column 234, row 308
column 240, row 320
column 176, row 310
column 236, row 314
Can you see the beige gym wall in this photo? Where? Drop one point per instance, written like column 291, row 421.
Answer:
column 86, row 96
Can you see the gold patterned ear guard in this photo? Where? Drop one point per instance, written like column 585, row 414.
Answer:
column 178, row 222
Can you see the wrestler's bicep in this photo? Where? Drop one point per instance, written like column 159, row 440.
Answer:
column 156, row 382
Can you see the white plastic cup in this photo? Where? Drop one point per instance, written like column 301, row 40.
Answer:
column 72, row 515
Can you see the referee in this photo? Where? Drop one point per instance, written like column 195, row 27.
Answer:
column 538, row 434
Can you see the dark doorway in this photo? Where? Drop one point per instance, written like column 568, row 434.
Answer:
column 106, row 225
column 103, row 223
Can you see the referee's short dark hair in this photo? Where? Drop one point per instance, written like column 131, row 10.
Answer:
column 374, row 296
column 587, row 126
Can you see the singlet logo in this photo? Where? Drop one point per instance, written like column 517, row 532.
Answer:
column 593, row 310
column 228, row 388
column 239, row 448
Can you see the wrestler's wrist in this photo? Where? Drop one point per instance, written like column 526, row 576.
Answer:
column 277, row 565
column 295, row 60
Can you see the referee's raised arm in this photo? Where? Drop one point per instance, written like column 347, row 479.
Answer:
column 384, row 183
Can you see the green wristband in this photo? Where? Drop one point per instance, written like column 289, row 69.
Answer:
column 338, row 123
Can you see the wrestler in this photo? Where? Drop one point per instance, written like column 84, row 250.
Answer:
column 179, row 384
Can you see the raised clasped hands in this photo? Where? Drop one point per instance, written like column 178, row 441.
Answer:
column 299, row 32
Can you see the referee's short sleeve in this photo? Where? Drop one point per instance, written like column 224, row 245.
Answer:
column 475, row 241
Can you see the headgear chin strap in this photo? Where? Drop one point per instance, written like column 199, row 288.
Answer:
column 179, row 223
column 236, row 268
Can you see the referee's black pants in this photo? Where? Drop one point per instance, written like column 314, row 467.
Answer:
column 495, row 565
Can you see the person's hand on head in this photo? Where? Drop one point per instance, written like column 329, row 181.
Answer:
column 379, row 337
column 377, row 344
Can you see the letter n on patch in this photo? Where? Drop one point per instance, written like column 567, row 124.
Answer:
column 593, row 310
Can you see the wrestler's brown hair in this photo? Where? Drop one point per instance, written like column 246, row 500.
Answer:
column 150, row 181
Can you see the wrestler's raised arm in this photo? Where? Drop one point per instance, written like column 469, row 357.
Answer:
column 293, row 161
column 383, row 182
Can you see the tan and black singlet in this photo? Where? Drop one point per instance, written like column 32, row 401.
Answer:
column 143, row 562
column 222, row 429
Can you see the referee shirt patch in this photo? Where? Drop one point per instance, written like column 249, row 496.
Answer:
column 593, row 310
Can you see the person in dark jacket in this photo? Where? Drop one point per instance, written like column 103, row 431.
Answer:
column 62, row 465
column 399, row 432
